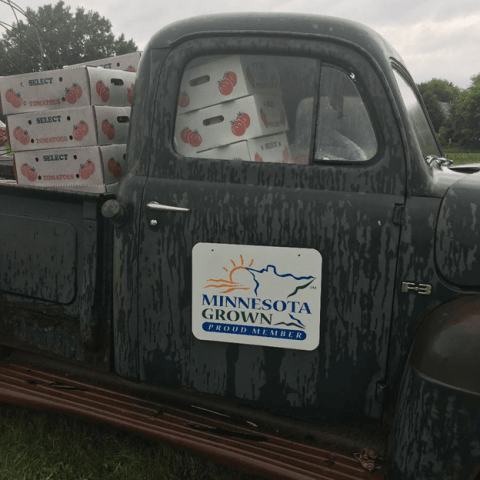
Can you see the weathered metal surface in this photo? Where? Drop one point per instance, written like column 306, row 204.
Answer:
column 239, row 444
column 343, row 211
column 354, row 328
column 416, row 264
column 280, row 24
column 125, row 250
column 46, row 328
column 457, row 245
column 38, row 258
column 90, row 313
column 55, row 292
column 436, row 431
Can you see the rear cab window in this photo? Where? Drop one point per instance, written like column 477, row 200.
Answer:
column 271, row 109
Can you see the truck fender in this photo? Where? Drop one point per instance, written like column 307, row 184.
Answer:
column 447, row 345
column 437, row 416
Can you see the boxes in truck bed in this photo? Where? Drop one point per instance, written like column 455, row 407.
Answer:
column 128, row 62
column 60, row 89
column 271, row 149
column 70, row 127
column 84, row 168
column 230, row 122
column 227, row 79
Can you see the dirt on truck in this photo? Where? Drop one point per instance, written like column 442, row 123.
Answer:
column 258, row 235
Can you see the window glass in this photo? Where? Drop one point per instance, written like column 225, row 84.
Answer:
column 344, row 129
column 417, row 118
column 247, row 107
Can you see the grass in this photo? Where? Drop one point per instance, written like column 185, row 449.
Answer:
column 36, row 445
column 461, row 156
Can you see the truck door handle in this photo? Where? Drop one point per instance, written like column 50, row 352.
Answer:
column 157, row 207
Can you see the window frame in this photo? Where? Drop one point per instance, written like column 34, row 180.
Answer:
column 368, row 109
column 316, row 90
column 163, row 161
column 397, row 70
column 321, row 61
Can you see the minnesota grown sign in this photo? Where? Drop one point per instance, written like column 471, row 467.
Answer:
column 257, row 295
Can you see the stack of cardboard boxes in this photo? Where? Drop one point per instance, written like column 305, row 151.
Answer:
column 68, row 128
column 232, row 109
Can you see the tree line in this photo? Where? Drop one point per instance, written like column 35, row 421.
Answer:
column 454, row 112
column 53, row 36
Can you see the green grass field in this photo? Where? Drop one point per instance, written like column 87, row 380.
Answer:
column 460, row 156
column 37, row 445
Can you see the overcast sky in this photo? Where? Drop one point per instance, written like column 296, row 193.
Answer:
column 436, row 38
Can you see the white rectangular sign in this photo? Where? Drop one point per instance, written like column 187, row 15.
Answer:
column 256, row 295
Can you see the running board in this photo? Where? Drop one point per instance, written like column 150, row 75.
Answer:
column 198, row 430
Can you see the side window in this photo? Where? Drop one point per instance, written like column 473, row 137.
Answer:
column 344, row 130
column 417, row 117
column 254, row 108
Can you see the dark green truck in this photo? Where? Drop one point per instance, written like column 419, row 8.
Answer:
column 287, row 279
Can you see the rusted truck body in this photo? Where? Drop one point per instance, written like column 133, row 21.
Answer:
column 299, row 303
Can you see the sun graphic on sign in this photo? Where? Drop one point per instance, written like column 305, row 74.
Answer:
column 229, row 284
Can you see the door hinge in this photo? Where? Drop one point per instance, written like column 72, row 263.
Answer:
column 399, row 214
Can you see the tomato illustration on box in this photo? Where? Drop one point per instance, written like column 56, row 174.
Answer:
column 226, row 123
column 114, row 168
column 227, row 79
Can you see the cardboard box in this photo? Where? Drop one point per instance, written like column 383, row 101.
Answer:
column 270, row 149
column 92, row 167
column 61, row 89
column 227, row 79
column 230, row 122
column 128, row 62
column 71, row 127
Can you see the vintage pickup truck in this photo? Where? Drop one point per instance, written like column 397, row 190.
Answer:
column 287, row 278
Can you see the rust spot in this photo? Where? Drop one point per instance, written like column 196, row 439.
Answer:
column 330, row 459
column 367, row 458
column 229, row 433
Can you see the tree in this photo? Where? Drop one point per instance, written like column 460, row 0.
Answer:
column 435, row 93
column 466, row 114
column 53, row 37
column 443, row 90
column 434, row 109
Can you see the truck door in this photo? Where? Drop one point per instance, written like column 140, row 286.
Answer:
column 267, row 242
